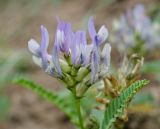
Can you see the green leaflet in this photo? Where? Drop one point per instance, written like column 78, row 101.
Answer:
column 56, row 99
column 117, row 105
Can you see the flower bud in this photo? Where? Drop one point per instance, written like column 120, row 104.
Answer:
column 69, row 80
column 83, row 71
column 81, row 89
column 65, row 67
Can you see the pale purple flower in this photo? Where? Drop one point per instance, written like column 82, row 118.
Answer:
column 99, row 37
column 63, row 36
column 40, row 51
column 78, row 48
column 62, row 42
column 97, row 40
column 132, row 23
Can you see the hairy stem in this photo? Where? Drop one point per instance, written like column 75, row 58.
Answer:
column 78, row 106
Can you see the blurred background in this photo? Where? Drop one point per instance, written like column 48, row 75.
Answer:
column 20, row 20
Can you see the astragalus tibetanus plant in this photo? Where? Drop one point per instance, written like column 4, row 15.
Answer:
column 80, row 66
column 136, row 32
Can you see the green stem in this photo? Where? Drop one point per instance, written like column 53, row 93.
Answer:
column 78, row 106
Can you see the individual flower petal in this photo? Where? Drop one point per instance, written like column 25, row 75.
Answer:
column 88, row 52
column 91, row 28
column 44, row 47
column 33, row 47
column 60, row 36
column 102, row 34
column 105, row 60
column 74, row 49
column 105, row 55
column 45, row 39
column 95, row 60
column 55, row 59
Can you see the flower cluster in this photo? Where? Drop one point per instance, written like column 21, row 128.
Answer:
column 134, row 29
column 73, row 60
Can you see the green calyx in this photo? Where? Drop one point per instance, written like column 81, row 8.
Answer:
column 75, row 78
column 82, row 73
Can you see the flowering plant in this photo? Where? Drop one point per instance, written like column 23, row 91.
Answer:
column 97, row 100
column 72, row 59
column 135, row 31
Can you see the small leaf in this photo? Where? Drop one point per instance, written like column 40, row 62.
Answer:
column 60, row 102
column 116, row 107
